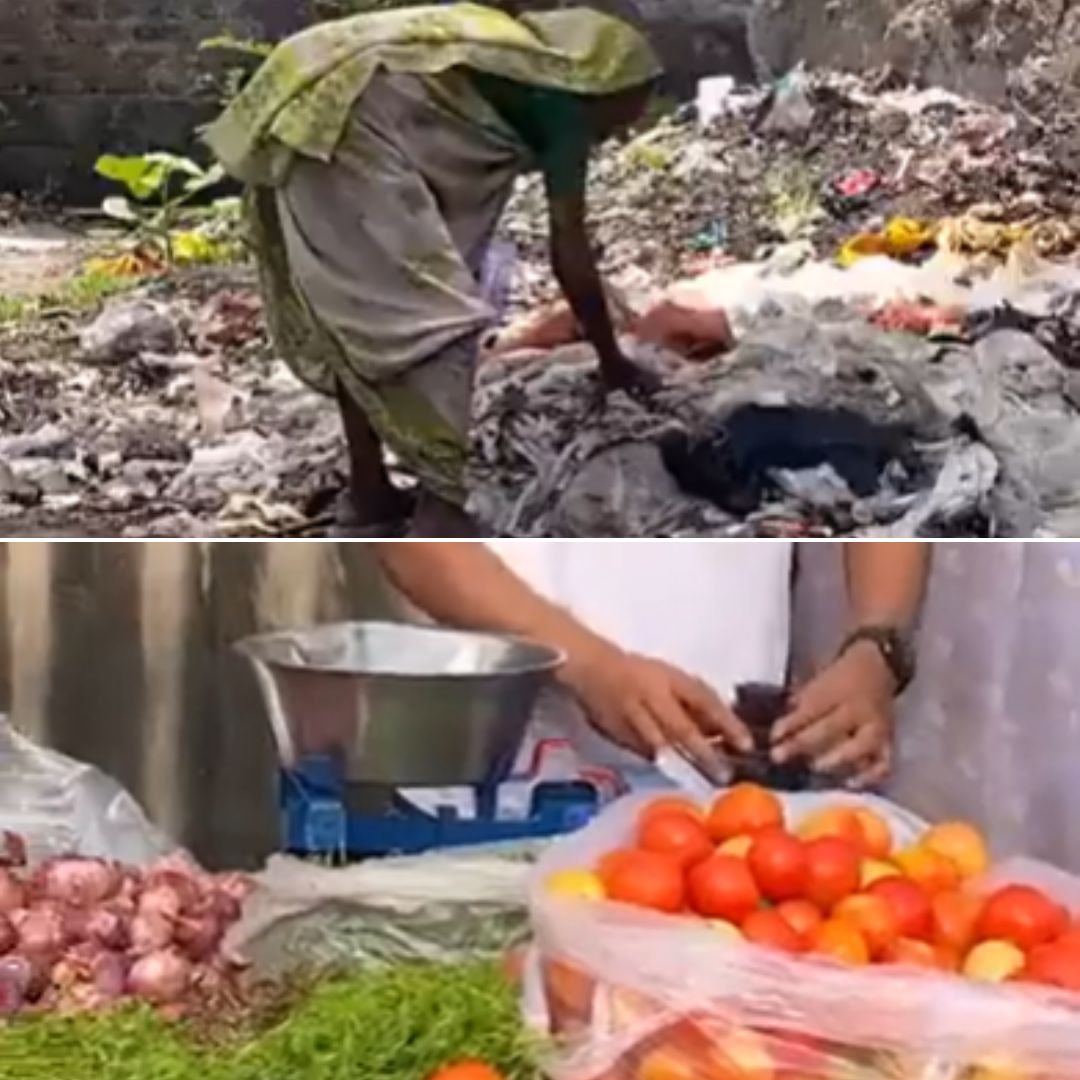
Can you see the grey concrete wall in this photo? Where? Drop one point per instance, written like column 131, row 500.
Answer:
column 121, row 655
column 82, row 77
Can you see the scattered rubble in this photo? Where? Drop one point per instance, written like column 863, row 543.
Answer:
column 165, row 415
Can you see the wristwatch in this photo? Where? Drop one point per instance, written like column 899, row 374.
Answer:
column 896, row 648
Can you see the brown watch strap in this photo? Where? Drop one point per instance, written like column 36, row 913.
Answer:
column 895, row 648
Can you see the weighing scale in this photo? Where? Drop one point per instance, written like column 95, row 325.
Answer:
column 397, row 739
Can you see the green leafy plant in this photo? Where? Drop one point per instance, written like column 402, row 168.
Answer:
column 157, row 209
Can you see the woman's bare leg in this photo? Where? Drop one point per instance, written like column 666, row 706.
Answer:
column 375, row 500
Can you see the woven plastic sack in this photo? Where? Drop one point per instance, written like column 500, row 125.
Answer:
column 62, row 806
column 630, row 994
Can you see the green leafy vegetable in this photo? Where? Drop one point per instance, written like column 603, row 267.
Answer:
column 401, row 1023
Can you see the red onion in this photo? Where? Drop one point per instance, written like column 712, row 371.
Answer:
column 11, row 997
column 17, row 969
column 12, row 892
column 9, row 936
column 162, row 977
column 238, row 886
column 41, row 930
column 75, row 922
column 79, row 934
column 225, row 907
column 150, row 933
column 199, row 935
column 126, row 900
column 161, row 900
column 39, row 978
column 76, row 881
column 182, row 884
column 108, row 927
column 109, row 974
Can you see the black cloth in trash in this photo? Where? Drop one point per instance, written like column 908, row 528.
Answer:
column 730, row 463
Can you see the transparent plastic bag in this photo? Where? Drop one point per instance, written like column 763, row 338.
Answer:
column 444, row 905
column 62, row 806
column 631, row 994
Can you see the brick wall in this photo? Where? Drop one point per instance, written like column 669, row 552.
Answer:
column 81, row 77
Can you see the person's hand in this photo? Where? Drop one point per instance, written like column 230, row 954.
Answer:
column 645, row 705
column 842, row 721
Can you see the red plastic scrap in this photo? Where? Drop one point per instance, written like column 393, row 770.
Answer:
column 916, row 317
column 856, row 183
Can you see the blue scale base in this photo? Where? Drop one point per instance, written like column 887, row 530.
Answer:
column 317, row 819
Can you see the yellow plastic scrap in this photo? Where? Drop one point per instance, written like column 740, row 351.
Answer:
column 901, row 238
column 972, row 236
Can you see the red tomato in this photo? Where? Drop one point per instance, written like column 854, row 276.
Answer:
column 842, row 942
column 1056, row 963
column 676, row 833
column 772, row 930
column 569, row 993
column 467, row 1070
column 914, row 953
column 1071, row 937
column 802, row 916
column 670, row 804
column 1023, row 915
column 955, row 918
column 647, row 879
column 910, row 904
column 833, row 871
column 722, row 887
column 779, row 864
column 609, row 862
column 873, row 917
column 743, row 810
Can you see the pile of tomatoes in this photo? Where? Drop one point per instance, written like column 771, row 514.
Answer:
column 834, row 885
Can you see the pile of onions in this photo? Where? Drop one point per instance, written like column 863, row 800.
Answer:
column 79, row 933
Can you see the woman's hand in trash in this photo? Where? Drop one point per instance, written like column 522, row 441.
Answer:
column 645, row 705
column 842, row 721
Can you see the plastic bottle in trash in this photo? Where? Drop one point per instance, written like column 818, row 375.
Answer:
column 497, row 275
column 791, row 112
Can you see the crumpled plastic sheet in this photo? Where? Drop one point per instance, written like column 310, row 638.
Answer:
column 444, row 905
column 62, row 806
column 990, row 421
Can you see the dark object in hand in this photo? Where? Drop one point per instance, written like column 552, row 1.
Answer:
column 730, row 464
column 759, row 706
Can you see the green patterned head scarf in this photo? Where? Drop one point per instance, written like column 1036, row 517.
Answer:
column 299, row 100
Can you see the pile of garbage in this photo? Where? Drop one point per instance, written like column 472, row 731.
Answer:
column 900, row 269
column 820, row 158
